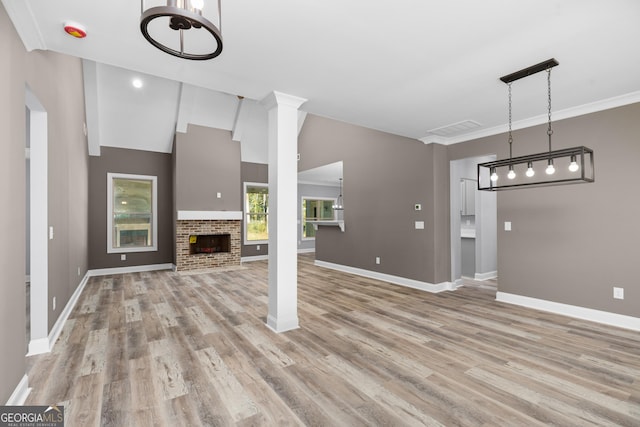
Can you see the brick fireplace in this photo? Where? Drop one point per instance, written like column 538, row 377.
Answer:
column 205, row 231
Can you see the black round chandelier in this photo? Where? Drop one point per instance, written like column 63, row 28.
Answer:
column 191, row 35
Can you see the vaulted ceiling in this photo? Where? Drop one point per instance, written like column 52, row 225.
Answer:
column 423, row 69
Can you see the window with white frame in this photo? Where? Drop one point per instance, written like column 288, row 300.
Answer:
column 315, row 209
column 132, row 213
column 256, row 210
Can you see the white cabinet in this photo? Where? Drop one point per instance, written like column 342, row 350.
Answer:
column 468, row 189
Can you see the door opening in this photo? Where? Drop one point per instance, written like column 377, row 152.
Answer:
column 473, row 223
column 38, row 263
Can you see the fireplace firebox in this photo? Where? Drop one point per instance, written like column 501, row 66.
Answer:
column 209, row 243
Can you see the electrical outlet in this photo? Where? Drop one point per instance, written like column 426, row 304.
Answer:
column 257, row 247
column 618, row 293
column 78, row 271
column 123, row 257
column 54, row 303
column 51, row 232
column 507, row 226
column 219, row 195
column 377, row 260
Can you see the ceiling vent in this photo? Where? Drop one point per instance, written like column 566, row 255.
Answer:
column 455, row 128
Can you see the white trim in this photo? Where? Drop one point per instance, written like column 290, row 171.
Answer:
column 57, row 327
column 45, row 345
column 39, row 346
column 266, row 257
column 154, row 213
column 131, row 269
column 209, row 215
column 39, row 222
column 254, row 258
column 245, row 213
column 580, row 110
column 25, row 23
column 20, row 393
column 280, row 326
column 485, row 276
column 608, row 318
column 397, row 280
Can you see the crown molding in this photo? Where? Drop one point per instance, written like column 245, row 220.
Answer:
column 21, row 15
column 567, row 113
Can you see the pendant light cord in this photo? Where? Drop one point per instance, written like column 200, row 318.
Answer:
column 549, row 130
column 510, row 133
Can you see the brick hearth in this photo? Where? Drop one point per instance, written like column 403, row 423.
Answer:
column 185, row 228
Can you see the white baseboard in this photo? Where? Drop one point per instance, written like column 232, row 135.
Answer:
column 130, row 269
column 397, row 280
column 306, row 250
column 45, row 345
column 254, row 258
column 605, row 317
column 282, row 325
column 19, row 395
column 485, row 276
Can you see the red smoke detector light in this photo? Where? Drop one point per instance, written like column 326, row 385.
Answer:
column 75, row 30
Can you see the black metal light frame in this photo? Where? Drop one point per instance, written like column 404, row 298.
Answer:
column 183, row 18
column 581, row 157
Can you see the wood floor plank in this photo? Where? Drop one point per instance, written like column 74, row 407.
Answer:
column 169, row 349
column 237, row 402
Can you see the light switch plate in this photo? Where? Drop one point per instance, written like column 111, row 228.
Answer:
column 419, row 225
column 507, row 226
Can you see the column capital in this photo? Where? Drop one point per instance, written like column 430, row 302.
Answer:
column 276, row 98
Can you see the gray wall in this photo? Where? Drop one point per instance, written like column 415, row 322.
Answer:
column 120, row 160
column 252, row 172
column 384, row 176
column 571, row 244
column 207, row 163
column 56, row 80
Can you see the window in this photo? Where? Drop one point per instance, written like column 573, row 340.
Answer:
column 315, row 209
column 256, row 209
column 132, row 224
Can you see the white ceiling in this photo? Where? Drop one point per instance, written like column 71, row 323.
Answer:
column 408, row 67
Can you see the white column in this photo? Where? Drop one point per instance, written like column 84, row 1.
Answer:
column 283, row 203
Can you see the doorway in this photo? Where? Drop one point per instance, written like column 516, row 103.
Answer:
column 473, row 223
column 36, row 154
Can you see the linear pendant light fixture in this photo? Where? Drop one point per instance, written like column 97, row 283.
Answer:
column 181, row 29
column 552, row 167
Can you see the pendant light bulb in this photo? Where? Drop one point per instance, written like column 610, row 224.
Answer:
column 550, row 169
column 512, row 173
column 573, row 166
column 530, row 172
column 494, row 175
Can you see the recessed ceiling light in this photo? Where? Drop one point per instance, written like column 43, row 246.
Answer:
column 137, row 83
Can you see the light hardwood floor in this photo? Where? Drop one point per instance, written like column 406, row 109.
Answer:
column 168, row 349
